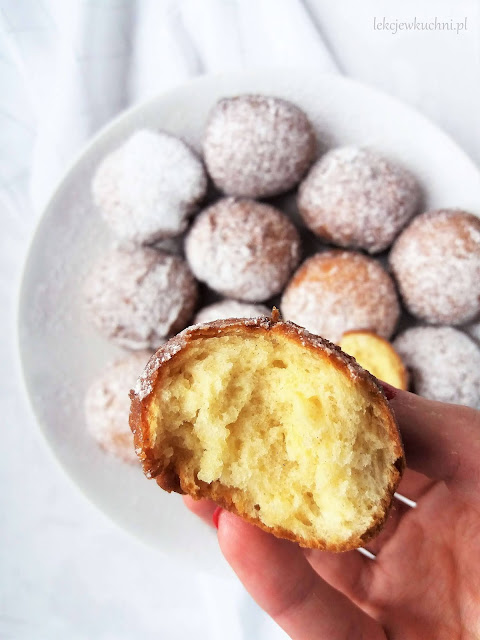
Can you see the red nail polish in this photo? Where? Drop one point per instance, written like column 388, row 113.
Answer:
column 216, row 515
column 388, row 390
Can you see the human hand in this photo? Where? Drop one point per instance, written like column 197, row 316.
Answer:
column 425, row 581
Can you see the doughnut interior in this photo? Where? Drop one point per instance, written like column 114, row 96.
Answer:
column 377, row 355
column 274, row 424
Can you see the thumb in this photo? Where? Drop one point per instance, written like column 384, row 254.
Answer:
column 441, row 440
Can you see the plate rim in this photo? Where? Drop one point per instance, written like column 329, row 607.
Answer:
column 49, row 207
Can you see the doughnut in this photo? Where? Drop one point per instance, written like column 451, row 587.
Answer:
column 136, row 297
column 230, row 309
column 377, row 355
column 257, row 146
column 356, row 198
column 274, row 424
column 147, row 188
column 107, row 406
column 443, row 362
column 436, row 262
column 338, row 291
column 243, row 249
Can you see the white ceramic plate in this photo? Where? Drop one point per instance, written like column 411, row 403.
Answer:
column 61, row 353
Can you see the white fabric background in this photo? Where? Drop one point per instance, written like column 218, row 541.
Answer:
column 67, row 67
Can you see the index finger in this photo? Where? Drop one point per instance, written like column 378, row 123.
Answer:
column 277, row 575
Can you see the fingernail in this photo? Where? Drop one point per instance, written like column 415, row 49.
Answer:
column 216, row 515
column 388, row 390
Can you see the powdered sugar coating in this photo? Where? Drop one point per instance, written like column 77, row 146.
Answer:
column 148, row 187
column 144, row 385
column 243, row 249
column 137, row 297
column 436, row 262
column 257, row 146
column 355, row 197
column 338, row 291
column 107, row 406
column 444, row 364
column 230, row 309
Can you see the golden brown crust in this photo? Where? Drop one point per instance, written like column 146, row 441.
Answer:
column 400, row 368
column 172, row 478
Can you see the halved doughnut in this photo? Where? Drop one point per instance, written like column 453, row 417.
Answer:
column 273, row 423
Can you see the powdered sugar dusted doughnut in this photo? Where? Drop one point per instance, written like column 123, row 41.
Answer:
column 230, row 309
column 356, row 198
column 148, row 187
column 257, row 146
column 444, row 364
column 436, row 262
column 107, row 406
column 137, row 297
column 339, row 291
column 243, row 249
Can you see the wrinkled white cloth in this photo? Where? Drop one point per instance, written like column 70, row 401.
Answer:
column 66, row 68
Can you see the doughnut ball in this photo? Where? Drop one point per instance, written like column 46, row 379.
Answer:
column 137, row 297
column 147, row 188
column 256, row 146
column 107, row 406
column 339, row 291
column 444, row 364
column 356, row 198
column 436, row 262
column 230, row 309
column 377, row 355
column 274, row 424
column 243, row 249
